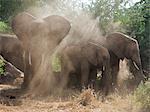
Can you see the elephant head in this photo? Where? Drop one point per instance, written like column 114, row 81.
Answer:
column 57, row 27
column 90, row 52
column 95, row 53
column 38, row 37
column 133, row 53
column 124, row 46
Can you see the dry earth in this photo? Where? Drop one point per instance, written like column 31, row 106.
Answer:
column 86, row 101
column 70, row 101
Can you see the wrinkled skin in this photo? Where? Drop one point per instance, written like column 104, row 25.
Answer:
column 82, row 60
column 121, row 46
column 11, row 50
column 38, row 36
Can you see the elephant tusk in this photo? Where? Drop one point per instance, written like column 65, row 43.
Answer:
column 104, row 68
column 136, row 66
column 30, row 59
column 24, row 53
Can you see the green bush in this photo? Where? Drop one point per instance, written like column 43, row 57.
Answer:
column 142, row 95
column 2, row 67
column 56, row 63
column 4, row 27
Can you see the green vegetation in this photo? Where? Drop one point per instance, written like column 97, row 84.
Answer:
column 107, row 12
column 4, row 27
column 142, row 96
column 56, row 63
column 138, row 25
column 133, row 20
column 9, row 8
column 2, row 67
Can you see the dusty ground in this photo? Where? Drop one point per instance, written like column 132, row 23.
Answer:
column 81, row 102
column 72, row 101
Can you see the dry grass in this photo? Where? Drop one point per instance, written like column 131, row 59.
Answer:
column 86, row 101
column 71, row 101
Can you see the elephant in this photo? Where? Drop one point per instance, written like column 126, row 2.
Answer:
column 11, row 50
column 39, row 37
column 121, row 46
column 82, row 60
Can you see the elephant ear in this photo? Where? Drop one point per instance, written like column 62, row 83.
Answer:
column 20, row 24
column 58, row 26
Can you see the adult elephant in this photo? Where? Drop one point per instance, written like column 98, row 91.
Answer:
column 83, row 59
column 121, row 46
column 11, row 50
column 39, row 37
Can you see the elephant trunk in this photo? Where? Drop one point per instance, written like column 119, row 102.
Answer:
column 137, row 64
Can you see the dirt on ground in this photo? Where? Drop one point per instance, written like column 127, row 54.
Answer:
column 13, row 99
column 72, row 101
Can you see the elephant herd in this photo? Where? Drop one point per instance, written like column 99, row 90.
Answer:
column 34, row 37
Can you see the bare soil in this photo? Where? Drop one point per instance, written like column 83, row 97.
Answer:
column 86, row 101
column 12, row 99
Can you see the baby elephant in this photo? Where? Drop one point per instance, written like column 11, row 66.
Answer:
column 82, row 60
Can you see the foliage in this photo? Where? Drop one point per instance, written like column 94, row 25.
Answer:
column 134, row 20
column 2, row 67
column 56, row 63
column 107, row 11
column 8, row 8
column 137, row 23
column 4, row 27
column 142, row 95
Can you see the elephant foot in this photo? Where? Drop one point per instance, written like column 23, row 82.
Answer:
column 103, row 95
column 113, row 87
column 24, row 87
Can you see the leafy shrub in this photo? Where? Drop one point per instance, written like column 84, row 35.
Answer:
column 4, row 27
column 2, row 67
column 142, row 95
column 56, row 63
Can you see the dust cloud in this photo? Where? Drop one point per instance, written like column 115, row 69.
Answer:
column 83, row 28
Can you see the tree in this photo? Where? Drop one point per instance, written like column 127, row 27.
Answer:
column 9, row 8
column 107, row 11
column 135, row 20
column 138, row 25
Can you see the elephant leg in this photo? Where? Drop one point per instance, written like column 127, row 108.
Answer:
column 64, row 75
column 64, row 80
column 102, row 80
column 74, row 80
column 27, row 72
column 106, row 79
column 92, row 78
column 114, row 69
column 84, row 74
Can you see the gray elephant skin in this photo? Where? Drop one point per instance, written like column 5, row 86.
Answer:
column 11, row 50
column 121, row 46
column 83, row 59
column 37, row 37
